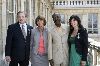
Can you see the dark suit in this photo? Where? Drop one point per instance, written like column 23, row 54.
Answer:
column 17, row 47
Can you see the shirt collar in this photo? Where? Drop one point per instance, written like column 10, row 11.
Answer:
column 22, row 24
column 25, row 25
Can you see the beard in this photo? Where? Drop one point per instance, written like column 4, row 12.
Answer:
column 57, row 22
column 58, row 25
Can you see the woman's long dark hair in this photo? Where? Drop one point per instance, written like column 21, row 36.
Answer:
column 75, row 17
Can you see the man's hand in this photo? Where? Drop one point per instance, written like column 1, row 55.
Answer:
column 51, row 62
column 8, row 59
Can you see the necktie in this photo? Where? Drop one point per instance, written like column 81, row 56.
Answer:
column 41, row 49
column 23, row 31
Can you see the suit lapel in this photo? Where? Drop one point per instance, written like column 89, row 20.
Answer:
column 19, row 30
column 44, row 35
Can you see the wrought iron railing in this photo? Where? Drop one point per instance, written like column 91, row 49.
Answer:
column 90, row 54
column 94, row 47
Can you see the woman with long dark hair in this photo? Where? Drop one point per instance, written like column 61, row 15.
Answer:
column 78, row 42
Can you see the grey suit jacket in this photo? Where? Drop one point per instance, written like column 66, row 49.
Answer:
column 35, row 58
column 58, row 46
column 35, row 35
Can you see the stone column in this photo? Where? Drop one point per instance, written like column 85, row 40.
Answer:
column 50, row 20
column 85, row 20
column 18, row 5
column 3, row 32
column 33, row 16
column 1, row 45
column 30, row 13
column 41, row 8
column 44, row 9
column 47, row 16
column 94, row 57
column 14, row 12
column 22, row 4
column 98, row 58
column 66, row 19
column 37, row 2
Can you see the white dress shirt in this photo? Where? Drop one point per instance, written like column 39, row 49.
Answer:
column 25, row 27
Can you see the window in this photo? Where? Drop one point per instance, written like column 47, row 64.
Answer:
column 93, row 23
column 62, row 18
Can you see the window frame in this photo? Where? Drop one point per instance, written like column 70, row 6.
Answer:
column 92, row 22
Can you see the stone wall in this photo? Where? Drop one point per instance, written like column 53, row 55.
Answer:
column 0, row 32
